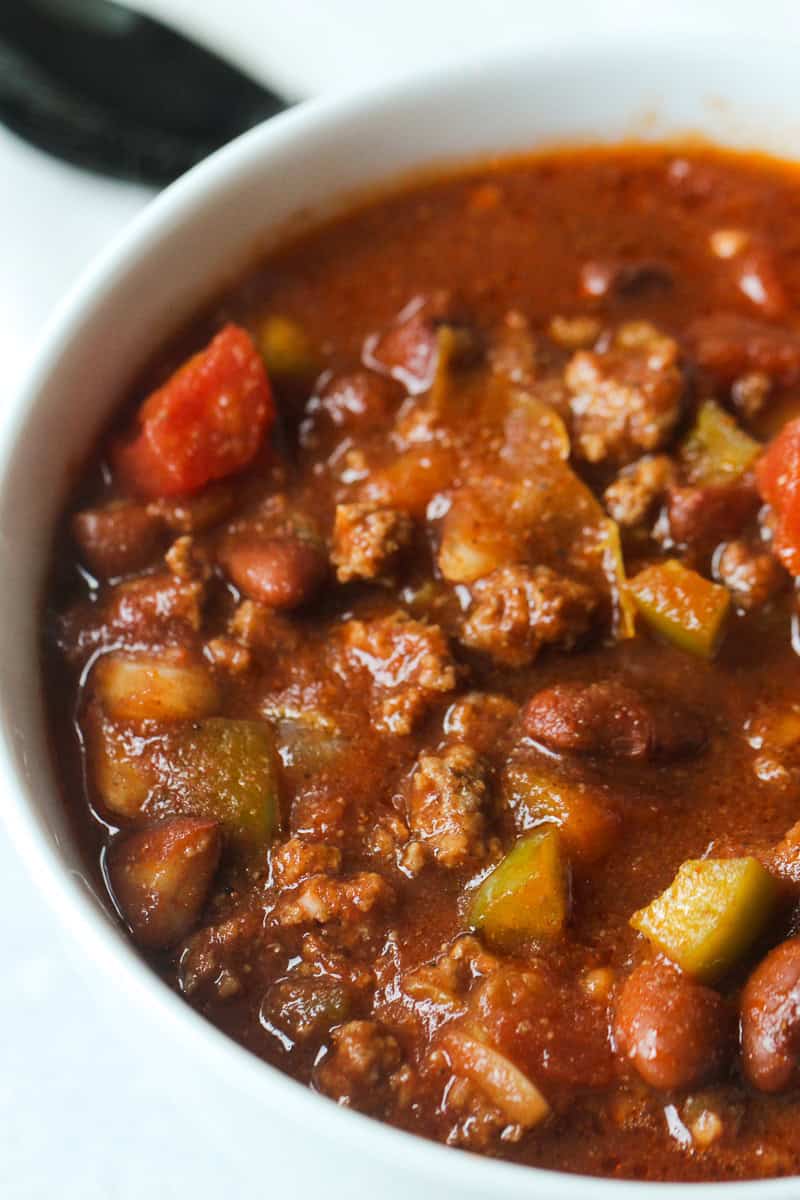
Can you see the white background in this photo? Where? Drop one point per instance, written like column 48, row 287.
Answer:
column 86, row 1113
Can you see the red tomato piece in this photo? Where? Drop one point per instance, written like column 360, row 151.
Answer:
column 778, row 476
column 207, row 421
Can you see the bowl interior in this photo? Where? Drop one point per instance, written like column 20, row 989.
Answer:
column 202, row 231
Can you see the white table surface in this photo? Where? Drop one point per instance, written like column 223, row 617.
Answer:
column 85, row 1112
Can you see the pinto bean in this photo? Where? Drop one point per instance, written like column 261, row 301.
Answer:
column 161, row 876
column 675, row 1032
column 770, row 1012
column 117, row 539
column 282, row 572
column 610, row 719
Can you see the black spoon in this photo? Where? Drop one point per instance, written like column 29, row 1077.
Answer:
column 100, row 86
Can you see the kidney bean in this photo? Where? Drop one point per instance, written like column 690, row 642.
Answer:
column 770, row 1013
column 675, row 1032
column 611, row 719
column 728, row 345
column 161, row 876
column 282, row 572
column 704, row 516
column 359, row 399
column 117, row 539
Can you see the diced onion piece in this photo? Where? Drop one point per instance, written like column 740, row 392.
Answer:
column 710, row 914
column 504, row 1084
column 683, row 607
column 145, row 687
column 614, row 563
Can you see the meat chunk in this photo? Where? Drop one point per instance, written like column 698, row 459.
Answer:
column 480, row 719
column 321, row 899
column 447, row 801
column 751, row 574
column 728, row 346
column 407, row 662
column 749, row 393
column 446, row 981
column 295, row 859
column 187, row 560
column 613, row 720
column 366, row 540
column 360, row 1066
column 478, row 1124
column 633, row 495
column 117, row 539
column 628, row 399
column 216, row 957
column 263, row 628
column 517, row 609
column 574, row 333
column 701, row 517
column 228, row 655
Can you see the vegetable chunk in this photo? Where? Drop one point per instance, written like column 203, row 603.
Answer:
column 151, row 687
column 228, row 772
column 778, row 475
column 527, row 895
column 510, row 1089
column 161, row 877
column 588, row 827
column 717, row 450
column 710, row 914
column 207, row 421
column 683, row 607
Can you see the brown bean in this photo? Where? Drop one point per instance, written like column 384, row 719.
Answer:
column 282, row 572
column 610, row 719
column 727, row 345
column 704, row 516
column 360, row 399
column 675, row 1032
column 770, row 1012
column 161, row 876
column 407, row 350
column 117, row 539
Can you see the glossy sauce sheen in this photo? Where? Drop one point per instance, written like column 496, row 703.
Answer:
column 538, row 238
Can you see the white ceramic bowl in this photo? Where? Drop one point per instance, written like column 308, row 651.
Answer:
column 188, row 243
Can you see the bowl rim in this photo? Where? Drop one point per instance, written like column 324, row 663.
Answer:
column 64, row 890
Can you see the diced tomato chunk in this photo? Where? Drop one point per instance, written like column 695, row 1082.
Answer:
column 206, row 422
column 778, row 476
